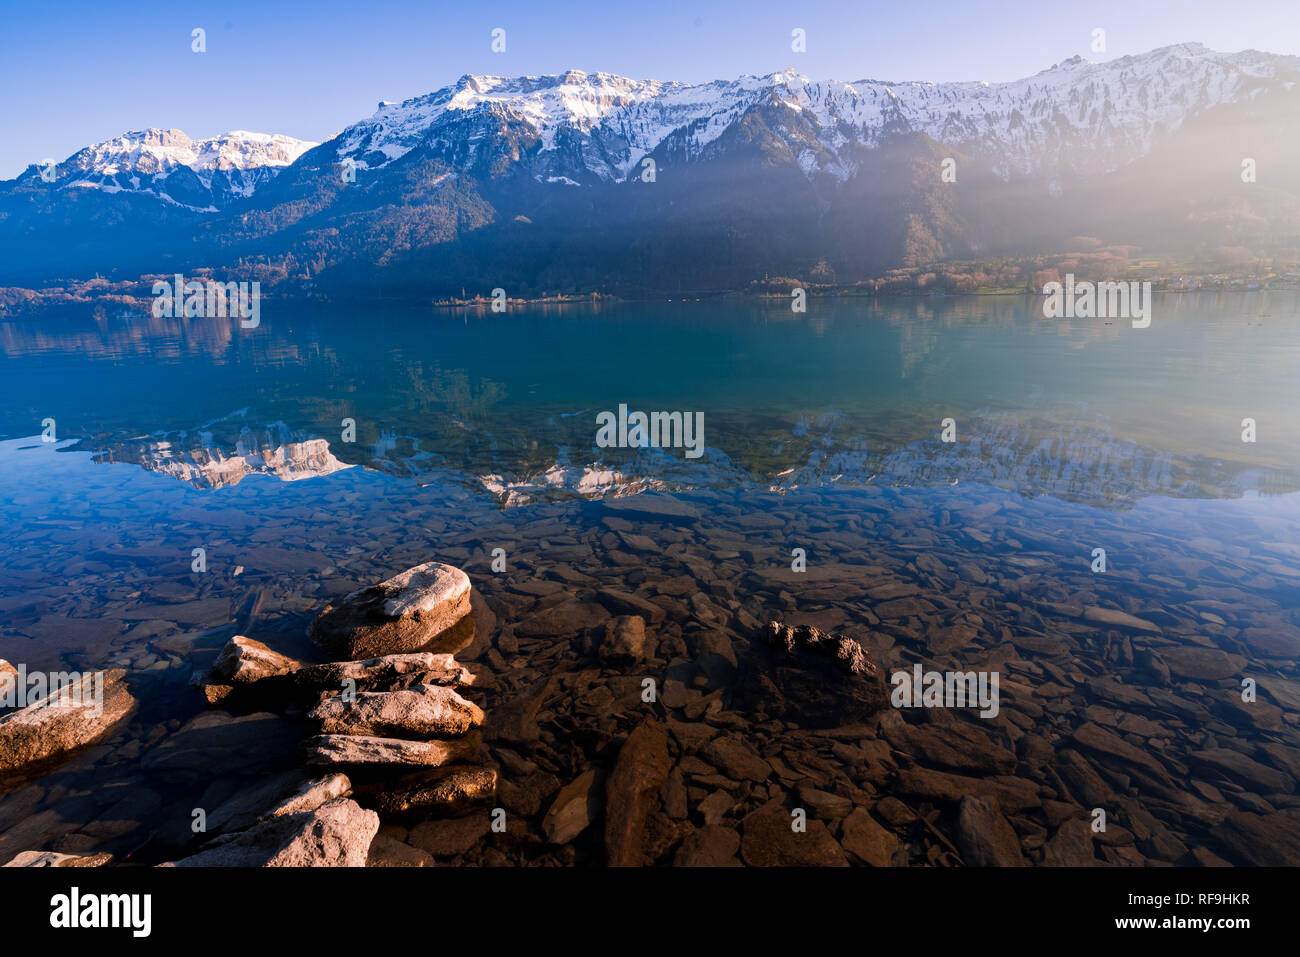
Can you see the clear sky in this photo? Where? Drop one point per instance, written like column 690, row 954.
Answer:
column 75, row 73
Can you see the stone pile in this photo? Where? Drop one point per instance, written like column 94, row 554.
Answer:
column 396, row 737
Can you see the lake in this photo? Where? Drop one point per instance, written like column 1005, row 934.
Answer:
column 334, row 446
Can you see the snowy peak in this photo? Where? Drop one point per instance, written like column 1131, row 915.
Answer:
column 202, row 174
column 1075, row 118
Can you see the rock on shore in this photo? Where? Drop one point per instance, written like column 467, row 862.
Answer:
column 409, row 612
column 335, row 834
column 61, row 723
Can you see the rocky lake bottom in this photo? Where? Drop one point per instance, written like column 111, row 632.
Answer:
column 1119, row 691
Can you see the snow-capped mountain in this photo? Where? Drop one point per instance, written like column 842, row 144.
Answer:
column 1076, row 118
column 204, row 175
column 538, row 183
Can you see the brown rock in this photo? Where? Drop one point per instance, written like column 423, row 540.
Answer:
column 336, row 834
column 445, row 792
column 985, row 837
column 451, row 837
column 713, row 846
column 1236, row 766
column 389, row 852
column 565, row 620
column 1112, row 618
column 1071, row 846
column 55, row 859
column 640, row 771
column 823, row 804
column 1013, row 794
column 734, row 758
column 1201, row 664
column 810, row 677
column 515, row 721
column 866, row 840
column 622, row 603
column 1096, row 738
column 1267, row 840
column 577, row 805
column 768, row 840
column 385, row 673
column 624, row 641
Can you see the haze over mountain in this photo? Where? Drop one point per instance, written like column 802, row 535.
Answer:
column 581, row 181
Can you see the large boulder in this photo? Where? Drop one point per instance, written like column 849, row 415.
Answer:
column 65, row 721
column 425, row 608
column 801, row 674
column 335, row 834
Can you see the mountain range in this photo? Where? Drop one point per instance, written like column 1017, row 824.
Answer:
column 578, row 182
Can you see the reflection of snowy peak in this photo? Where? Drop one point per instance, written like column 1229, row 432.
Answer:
column 1035, row 457
column 202, row 174
column 205, row 467
column 1076, row 117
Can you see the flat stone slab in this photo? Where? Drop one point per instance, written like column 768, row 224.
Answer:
column 421, row 712
column 1119, row 619
column 435, row 670
column 448, row 791
column 347, row 749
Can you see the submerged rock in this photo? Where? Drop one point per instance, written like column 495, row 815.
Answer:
column 624, row 641
column 408, row 612
column 816, row 679
column 577, row 805
column 769, row 840
column 985, row 837
column 640, row 771
column 65, row 721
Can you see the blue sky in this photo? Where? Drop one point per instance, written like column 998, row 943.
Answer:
column 75, row 73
